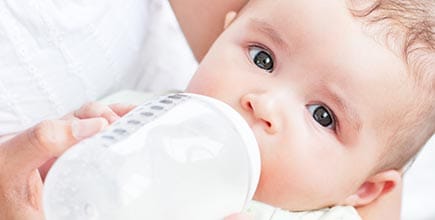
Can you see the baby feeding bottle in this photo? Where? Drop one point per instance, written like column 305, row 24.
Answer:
column 176, row 157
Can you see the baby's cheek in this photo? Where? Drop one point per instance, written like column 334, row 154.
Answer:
column 287, row 182
column 276, row 185
column 203, row 82
column 198, row 86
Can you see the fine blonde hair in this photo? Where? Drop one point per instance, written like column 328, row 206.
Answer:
column 408, row 28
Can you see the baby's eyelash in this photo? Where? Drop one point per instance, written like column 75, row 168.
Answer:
column 261, row 57
column 324, row 116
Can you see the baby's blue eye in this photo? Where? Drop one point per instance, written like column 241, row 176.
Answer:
column 322, row 115
column 261, row 58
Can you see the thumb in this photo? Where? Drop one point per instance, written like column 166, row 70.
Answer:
column 32, row 148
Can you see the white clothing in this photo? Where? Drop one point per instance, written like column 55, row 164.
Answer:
column 261, row 211
column 55, row 55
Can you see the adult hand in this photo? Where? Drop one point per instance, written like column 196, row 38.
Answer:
column 21, row 181
column 239, row 216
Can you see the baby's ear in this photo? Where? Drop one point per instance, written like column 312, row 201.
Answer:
column 229, row 18
column 374, row 187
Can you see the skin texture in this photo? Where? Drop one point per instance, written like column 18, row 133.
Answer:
column 26, row 157
column 21, row 180
column 202, row 21
column 202, row 29
column 313, row 60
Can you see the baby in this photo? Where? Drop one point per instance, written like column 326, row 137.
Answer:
column 339, row 94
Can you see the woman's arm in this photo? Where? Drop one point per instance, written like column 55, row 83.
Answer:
column 203, row 21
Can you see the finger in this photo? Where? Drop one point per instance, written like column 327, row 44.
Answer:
column 121, row 109
column 79, row 131
column 35, row 146
column 95, row 109
column 43, row 170
column 239, row 216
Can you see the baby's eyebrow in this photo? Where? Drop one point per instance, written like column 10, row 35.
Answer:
column 269, row 31
column 351, row 116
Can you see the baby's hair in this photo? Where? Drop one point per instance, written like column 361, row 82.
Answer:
column 409, row 29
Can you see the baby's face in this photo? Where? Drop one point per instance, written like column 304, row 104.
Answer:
column 319, row 94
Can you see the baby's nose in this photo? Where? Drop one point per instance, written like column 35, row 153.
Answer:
column 263, row 110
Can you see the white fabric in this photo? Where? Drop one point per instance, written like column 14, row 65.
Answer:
column 56, row 55
column 262, row 211
column 167, row 60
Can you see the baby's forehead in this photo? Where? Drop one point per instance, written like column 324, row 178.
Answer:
column 389, row 74
column 397, row 95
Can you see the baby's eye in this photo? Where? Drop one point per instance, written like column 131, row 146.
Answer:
column 261, row 58
column 322, row 115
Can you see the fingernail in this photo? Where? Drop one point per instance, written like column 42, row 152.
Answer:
column 111, row 117
column 87, row 127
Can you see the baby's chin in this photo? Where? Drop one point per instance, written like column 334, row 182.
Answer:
column 289, row 203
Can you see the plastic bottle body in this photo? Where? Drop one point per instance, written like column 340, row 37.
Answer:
column 185, row 157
